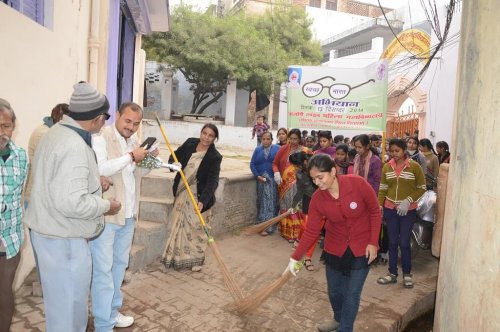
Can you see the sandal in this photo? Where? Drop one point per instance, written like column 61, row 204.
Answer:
column 308, row 264
column 264, row 233
column 407, row 281
column 388, row 279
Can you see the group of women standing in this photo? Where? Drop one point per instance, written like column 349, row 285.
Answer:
column 348, row 205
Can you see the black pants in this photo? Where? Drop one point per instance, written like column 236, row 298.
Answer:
column 8, row 269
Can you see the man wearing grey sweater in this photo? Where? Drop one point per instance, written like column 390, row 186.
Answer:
column 66, row 209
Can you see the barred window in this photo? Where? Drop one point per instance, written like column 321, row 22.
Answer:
column 331, row 4
column 31, row 8
column 315, row 3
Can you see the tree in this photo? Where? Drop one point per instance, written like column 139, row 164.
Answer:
column 209, row 51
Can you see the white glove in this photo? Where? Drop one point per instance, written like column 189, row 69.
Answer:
column 175, row 167
column 402, row 208
column 293, row 267
column 277, row 178
column 291, row 211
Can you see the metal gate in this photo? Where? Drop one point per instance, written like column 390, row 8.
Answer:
column 401, row 125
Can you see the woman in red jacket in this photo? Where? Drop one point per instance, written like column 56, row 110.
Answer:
column 352, row 228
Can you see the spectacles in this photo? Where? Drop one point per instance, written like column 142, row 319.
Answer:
column 336, row 91
column 106, row 116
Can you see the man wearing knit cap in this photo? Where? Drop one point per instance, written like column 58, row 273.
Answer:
column 67, row 209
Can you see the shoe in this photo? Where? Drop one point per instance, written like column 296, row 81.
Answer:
column 196, row 268
column 264, row 233
column 124, row 321
column 407, row 280
column 328, row 326
column 388, row 279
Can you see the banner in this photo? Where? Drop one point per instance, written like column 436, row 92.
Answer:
column 337, row 98
column 415, row 41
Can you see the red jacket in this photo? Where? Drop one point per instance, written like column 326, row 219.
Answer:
column 352, row 220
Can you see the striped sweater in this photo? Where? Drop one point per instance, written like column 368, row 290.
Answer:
column 397, row 185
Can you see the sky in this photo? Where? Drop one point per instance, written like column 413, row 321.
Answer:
column 203, row 4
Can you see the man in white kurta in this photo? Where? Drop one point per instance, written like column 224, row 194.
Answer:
column 117, row 151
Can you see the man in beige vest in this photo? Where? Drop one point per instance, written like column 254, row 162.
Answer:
column 117, row 152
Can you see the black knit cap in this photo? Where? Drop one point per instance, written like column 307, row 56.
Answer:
column 87, row 103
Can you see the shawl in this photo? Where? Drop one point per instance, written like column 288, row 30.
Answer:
column 358, row 167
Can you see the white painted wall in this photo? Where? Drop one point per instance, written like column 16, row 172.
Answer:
column 328, row 23
column 39, row 65
column 239, row 138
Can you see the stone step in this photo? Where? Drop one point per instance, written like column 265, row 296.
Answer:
column 147, row 233
column 156, row 209
column 137, row 257
column 151, row 236
column 158, row 183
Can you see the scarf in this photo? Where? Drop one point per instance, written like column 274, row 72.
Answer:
column 343, row 165
column 362, row 165
column 267, row 151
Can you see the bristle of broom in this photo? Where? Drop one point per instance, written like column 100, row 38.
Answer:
column 259, row 228
column 229, row 281
column 252, row 302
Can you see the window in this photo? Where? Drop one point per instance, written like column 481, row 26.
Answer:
column 331, row 4
column 315, row 3
column 31, row 8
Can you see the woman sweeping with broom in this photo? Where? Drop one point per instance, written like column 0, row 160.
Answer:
column 200, row 162
column 352, row 227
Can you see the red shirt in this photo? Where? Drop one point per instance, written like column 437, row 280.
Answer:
column 352, row 220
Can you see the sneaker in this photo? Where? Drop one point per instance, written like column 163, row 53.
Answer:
column 124, row 321
column 328, row 326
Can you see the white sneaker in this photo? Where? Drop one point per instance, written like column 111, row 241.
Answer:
column 124, row 321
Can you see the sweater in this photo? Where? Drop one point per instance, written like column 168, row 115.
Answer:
column 408, row 184
column 35, row 137
column 259, row 164
column 353, row 220
column 66, row 195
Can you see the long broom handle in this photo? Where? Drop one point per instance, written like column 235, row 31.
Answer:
column 183, row 177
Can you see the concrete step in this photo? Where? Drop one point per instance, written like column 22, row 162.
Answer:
column 147, row 233
column 156, row 209
column 151, row 236
column 158, row 183
column 136, row 259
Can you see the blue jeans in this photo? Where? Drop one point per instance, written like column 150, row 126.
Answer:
column 110, row 255
column 65, row 269
column 399, row 231
column 344, row 292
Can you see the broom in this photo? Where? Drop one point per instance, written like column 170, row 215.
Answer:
column 229, row 281
column 259, row 228
column 252, row 302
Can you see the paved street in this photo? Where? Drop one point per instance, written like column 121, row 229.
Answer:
column 166, row 300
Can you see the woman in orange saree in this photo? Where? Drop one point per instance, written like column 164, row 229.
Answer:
column 284, row 175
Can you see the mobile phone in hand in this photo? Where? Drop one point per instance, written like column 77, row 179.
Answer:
column 148, row 142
